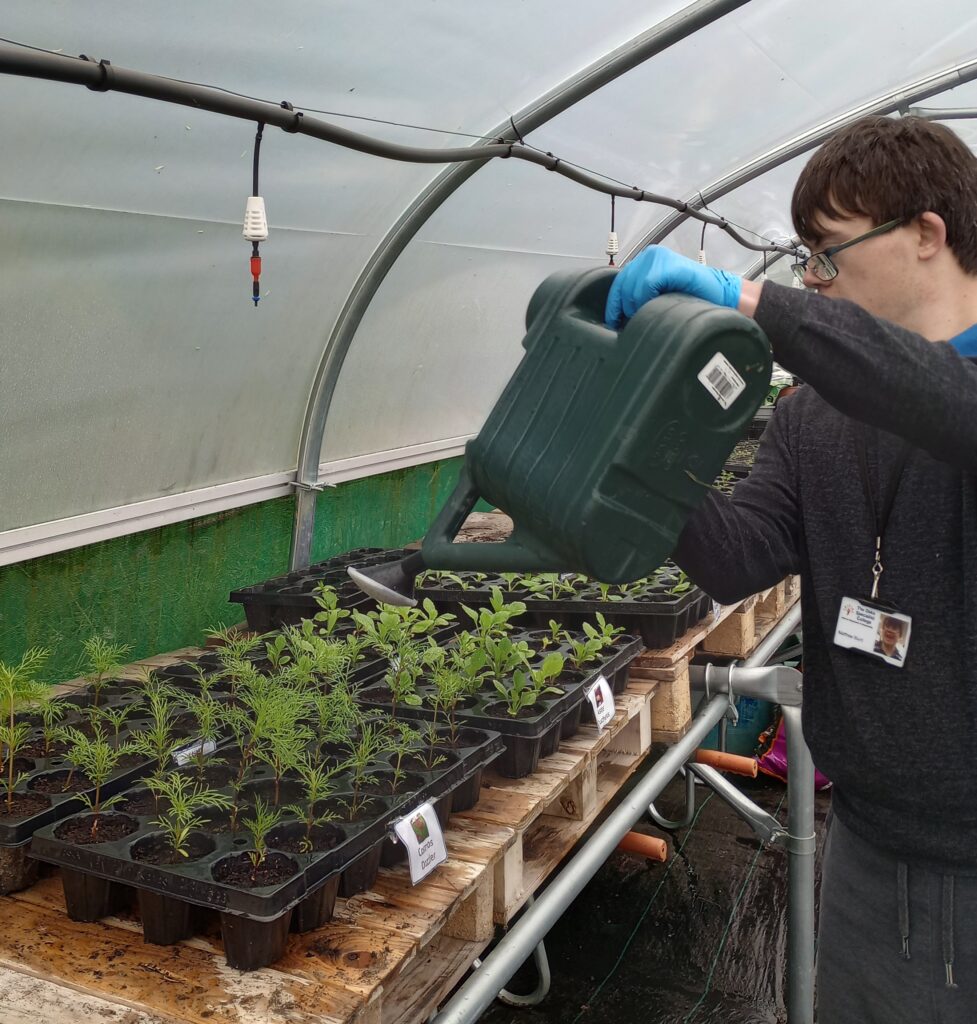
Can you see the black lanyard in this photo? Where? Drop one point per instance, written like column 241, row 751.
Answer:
column 879, row 514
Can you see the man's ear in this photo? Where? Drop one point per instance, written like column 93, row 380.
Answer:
column 932, row 234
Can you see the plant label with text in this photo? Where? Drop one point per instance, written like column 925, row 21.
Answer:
column 420, row 832
column 202, row 748
column 602, row 701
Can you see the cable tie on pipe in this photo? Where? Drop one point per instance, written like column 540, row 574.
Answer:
column 556, row 164
column 294, row 127
column 108, row 74
column 516, row 131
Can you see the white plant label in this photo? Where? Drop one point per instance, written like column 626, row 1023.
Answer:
column 602, row 701
column 720, row 379
column 420, row 832
column 201, row 747
column 717, row 610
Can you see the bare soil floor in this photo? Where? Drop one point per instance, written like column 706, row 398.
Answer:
column 698, row 940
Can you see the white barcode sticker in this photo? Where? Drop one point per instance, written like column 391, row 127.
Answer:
column 202, row 748
column 721, row 380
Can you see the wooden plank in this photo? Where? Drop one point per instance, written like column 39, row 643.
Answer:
column 734, row 636
column 671, row 707
column 423, row 987
column 181, row 982
column 31, row 1000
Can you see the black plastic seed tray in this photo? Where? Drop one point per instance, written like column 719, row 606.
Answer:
column 527, row 737
column 286, row 600
column 166, row 889
column 660, row 619
column 13, row 830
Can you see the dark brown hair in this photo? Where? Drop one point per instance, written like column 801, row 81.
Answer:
column 888, row 168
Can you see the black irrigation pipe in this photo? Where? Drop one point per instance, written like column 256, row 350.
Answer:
column 103, row 76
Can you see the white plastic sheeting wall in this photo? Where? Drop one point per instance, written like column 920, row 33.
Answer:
column 132, row 366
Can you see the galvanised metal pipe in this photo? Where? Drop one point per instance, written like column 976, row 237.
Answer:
column 478, row 992
column 898, row 99
column 948, row 114
column 627, row 56
column 801, row 844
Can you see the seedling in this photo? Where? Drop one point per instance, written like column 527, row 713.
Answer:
column 186, row 800
column 606, row 632
column 330, row 615
column 502, row 656
column 371, row 743
column 582, row 651
column 115, row 718
column 18, row 688
column 103, row 660
column 528, row 685
column 51, row 711
column 156, row 741
column 450, row 686
column 494, row 620
column 429, row 736
column 319, row 786
column 97, row 759
column 403, row 741
column 208, row 720
column 279, row 738
column 258, row 826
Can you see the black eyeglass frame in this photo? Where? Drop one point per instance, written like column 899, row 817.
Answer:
column 823, row 268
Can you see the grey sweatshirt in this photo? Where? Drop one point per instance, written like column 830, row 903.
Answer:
column 899, row 744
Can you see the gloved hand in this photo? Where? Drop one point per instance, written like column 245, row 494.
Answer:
column 658, row 270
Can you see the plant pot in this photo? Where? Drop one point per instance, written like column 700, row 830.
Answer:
column 362, row 872
column 88, row 897
column 549, row 742
column 519, row 757
column 570, row 725
column 17, row 870
column 165, row 920
column 465, row 795
column 316, row 909
column 392, row 853
column 249, row 944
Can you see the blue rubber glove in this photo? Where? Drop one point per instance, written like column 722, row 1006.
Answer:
column 658, row 270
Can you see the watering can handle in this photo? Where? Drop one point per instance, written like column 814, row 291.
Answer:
column 521, row 552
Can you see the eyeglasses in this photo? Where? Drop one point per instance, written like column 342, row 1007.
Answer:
column 820, row 263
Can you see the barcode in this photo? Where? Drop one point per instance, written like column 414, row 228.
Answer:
column 720, row 379
column 721, row 382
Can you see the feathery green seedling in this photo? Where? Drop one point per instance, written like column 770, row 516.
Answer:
column 156, row 741
column 319, row 786
column 280, row 737
column 19, row 688
column 115, row 718
column 364, row 751
column 208, row 720
column 51, row 710
column 187, row 799
column 102, row 661
column 258, row 827
column 404, row 741
column 97, row 759
column 430, row 740
column 450, row 686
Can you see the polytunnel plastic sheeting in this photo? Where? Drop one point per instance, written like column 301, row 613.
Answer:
column 697, row 110
column 137, row 367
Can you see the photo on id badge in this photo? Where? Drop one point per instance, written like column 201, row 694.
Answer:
column 882, row 633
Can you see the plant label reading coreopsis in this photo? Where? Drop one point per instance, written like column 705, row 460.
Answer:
column 420, row 832
column 602, row 701
column 201, row 748
column 720, row 379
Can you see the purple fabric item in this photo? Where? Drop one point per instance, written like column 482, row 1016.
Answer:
column 773, row 761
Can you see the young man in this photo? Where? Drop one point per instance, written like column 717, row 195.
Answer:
column 882, row 443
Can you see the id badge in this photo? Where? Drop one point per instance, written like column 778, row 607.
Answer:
column 875, row 629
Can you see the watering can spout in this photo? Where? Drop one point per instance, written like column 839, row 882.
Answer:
column 603, row 442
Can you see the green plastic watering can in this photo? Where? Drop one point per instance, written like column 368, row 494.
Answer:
column 603, row 442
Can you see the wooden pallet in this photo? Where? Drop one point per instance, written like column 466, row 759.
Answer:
column 389, row 955
column 731, row 631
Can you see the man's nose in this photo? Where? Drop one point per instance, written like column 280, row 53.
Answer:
column 811, row 280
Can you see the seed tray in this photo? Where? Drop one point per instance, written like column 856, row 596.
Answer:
column 287, row 599
column 15, row 831
column 529, row 737
column 659, row 621
column 193, row 882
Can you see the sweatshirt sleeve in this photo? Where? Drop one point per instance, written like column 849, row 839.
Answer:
column 876, row 372
column 734, row 547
